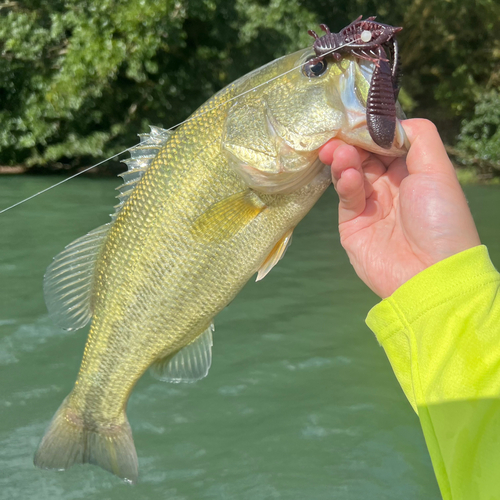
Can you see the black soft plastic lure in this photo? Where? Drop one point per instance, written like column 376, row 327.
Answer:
column 374, row 42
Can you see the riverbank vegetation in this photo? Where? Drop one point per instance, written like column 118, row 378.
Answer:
column 79, row 79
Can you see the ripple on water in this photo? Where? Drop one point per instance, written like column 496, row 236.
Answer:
column 232, row 390
column 27, row 338
column 20, row 480
column 313, row 429
column 37, row 393
column 317, row 362
column 5, row 322
column 274, row 336
column 4, row 268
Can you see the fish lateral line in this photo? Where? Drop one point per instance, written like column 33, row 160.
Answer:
column 43, row 191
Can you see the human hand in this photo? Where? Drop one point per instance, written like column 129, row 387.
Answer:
column 398, row 216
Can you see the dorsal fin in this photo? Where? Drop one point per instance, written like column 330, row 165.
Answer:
column 140, row 159
column 68, row 280
column 67, row 283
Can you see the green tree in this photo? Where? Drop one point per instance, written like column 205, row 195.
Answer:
column 479, row 139
column 80, row 78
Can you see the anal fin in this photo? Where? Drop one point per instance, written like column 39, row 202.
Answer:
column 276, row 254
column 189, row 364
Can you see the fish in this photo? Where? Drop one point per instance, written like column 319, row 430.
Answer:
column 202, row 209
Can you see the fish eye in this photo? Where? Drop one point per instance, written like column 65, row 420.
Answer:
column 314, row 67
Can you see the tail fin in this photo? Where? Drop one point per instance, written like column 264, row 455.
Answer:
column 68, row 442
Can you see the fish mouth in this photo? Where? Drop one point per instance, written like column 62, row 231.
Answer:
column 272, row 142
column 353, row 89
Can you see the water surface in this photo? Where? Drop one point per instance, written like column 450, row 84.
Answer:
column 300, row 402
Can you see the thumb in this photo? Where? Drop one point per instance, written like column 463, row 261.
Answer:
column 427, row 153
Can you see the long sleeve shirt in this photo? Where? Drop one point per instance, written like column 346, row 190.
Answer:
column 441, row 333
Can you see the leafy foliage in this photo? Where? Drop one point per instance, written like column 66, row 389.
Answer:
column 479, row 139
column 451, row 52
column 80, row 78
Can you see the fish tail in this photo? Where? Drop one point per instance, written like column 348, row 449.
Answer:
column 69, row 441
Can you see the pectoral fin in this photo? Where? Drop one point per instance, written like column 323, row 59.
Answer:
column 225, row 218
column 276, row 254
column 189, row 364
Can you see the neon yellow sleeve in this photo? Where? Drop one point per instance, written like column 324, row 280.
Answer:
column 441, row 333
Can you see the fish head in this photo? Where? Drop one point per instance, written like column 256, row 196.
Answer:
column 285, row 111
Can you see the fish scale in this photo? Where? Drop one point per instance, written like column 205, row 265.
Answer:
column 211, row 209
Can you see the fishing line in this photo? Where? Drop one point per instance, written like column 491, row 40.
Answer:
column 63, row 181
column 168, row 130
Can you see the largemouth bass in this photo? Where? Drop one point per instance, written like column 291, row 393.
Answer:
column 202, row 209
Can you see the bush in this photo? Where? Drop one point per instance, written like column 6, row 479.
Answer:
column 479, row 140
column 80, row 78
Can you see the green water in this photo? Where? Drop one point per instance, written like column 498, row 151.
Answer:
column 300, row 402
